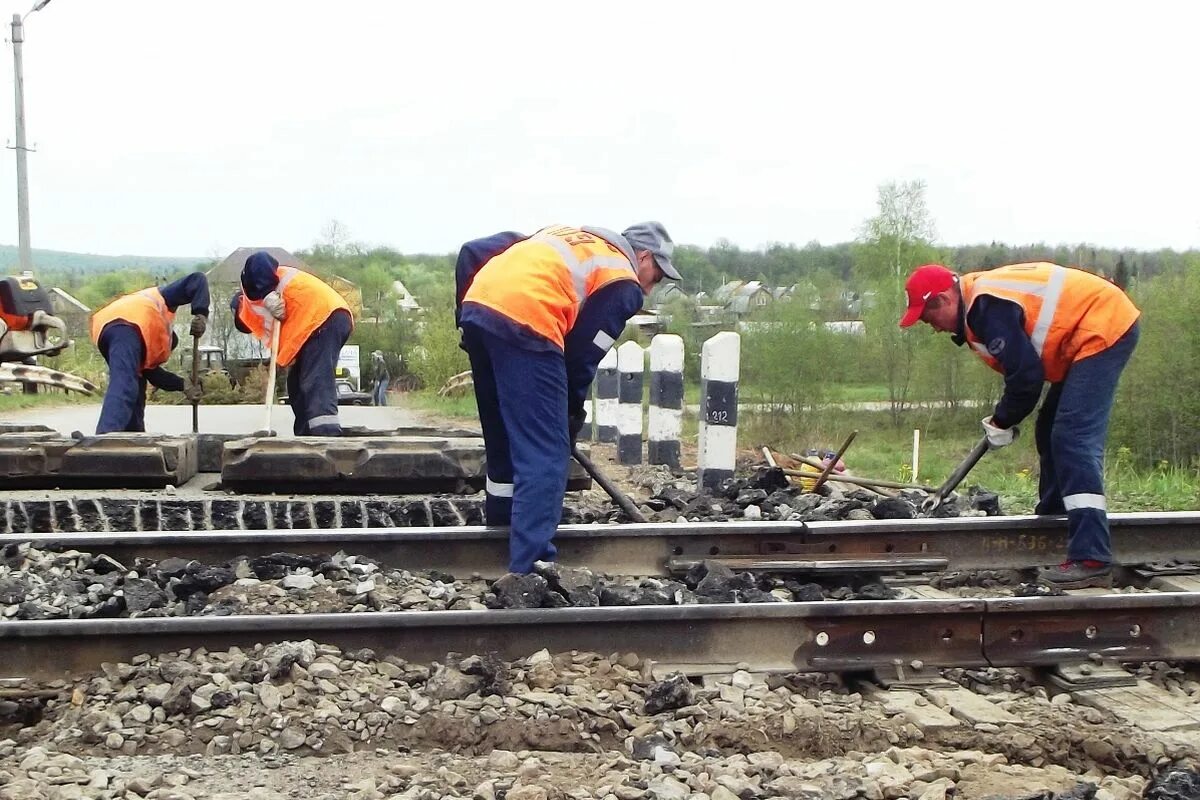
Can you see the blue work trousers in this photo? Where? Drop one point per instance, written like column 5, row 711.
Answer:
column 124, row 407
column 522, row 400
column 312, row 391
column 1072, row 427
column 379, row 394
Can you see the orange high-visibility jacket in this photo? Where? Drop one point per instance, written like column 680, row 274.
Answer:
column 1069, row 314
column 148, row 312
column 308, row 300
column 543, row 281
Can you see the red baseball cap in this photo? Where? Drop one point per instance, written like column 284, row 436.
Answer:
column 925, row 282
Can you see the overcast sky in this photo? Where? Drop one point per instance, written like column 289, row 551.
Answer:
column 181, row 127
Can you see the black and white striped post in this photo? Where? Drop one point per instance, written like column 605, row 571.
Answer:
column 719, row 368
column 631, row 366
column 606, row 398
column 666, row 399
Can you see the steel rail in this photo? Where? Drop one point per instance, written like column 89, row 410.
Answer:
column 814, row 636
column 1014, row 542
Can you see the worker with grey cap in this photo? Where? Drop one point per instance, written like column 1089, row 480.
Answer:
column 537, row 314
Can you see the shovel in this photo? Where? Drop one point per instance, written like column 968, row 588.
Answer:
column 195, row 383
column 616, row 494
column 269, row 398
column 932, row 502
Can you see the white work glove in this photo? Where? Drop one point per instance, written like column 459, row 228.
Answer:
column 998, row 437
column 3, row 328
column 274, row 304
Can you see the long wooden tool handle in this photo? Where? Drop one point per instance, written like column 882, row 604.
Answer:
column 833, row 462
column 195, row 383
column 961, row 471
column 269, row 400
column 616, row 494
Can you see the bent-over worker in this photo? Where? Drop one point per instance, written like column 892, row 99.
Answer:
column 537, row 314
column 1034, row 323
column 133, row 334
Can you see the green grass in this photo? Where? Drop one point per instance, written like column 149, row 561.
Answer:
column 884, row 450
column 18, row 400
column 462, row 407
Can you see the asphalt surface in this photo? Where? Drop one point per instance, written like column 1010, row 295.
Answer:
column 213, row 419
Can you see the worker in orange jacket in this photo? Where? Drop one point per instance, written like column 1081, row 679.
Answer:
column 315, row 322
column 134, row 335
column 1034, row 323
column 537, row 314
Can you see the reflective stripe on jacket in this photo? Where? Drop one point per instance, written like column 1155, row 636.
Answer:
column 542, row 282
column 308, row 302
column 1070, row 314
column 148, row 312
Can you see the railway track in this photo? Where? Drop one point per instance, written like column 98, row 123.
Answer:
column 1015, row 542
column 804, row 636
column 814, row 636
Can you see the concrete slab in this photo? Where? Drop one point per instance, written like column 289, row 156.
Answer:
column 212, row 445
column 1144, row 705
column 913, row 706
column 396, row 465
column 16, row 427
column 177, row 419
column 924, row 592
column 970, row 707
column 393, row 465
column 361, row 431
column 125, row 460
column 1176, row 583
column 211, row 448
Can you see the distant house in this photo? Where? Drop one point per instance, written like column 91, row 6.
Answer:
column 664, row 293
column 66, row 306
column 350, row 292
column 647, row 323
column 229, row 271
column 851, row 327
column 404, row 298
column 743, row 297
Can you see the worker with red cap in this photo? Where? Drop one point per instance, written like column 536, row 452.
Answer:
column 1035, row 323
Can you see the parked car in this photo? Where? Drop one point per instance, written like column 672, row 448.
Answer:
column 347, row 395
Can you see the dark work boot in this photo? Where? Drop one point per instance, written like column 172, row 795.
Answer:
column 1077, row 575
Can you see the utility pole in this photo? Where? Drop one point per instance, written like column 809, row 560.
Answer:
column 18, row 37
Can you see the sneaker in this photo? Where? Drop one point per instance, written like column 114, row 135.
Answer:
column 1077, row 575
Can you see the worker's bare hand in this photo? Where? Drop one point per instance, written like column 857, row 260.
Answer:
column 199, row 325
column 274, row 303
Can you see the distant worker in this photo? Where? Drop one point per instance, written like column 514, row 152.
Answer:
column 1034, row 323
column 382, row 378
column 315, row 323
column 537, row 314
column 134, row 335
